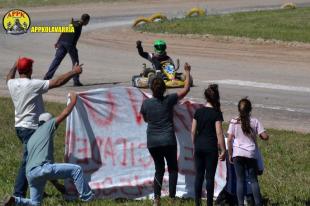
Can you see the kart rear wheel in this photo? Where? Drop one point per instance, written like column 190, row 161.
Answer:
column 148, row 71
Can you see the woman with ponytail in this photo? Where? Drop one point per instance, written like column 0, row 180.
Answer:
column 242, row 146
column 207, row 136
column 161, row 140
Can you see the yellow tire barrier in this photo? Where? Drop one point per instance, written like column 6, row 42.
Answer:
column 153, row 18
column 196, row 11
column 289, row 5
column 140, row 20
column 157, row 16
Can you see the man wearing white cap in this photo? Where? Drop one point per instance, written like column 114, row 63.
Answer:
column 26, row 94
column 40, row 166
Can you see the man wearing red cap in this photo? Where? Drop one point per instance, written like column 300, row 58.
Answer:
column 27, row 98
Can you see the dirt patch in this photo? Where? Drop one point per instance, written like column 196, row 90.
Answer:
column 206, row 45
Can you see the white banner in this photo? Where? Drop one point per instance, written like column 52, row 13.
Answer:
column 106, row 135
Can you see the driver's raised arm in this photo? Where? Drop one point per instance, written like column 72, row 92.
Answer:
column 142, row 53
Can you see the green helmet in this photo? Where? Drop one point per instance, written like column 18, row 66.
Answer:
column 160, row 46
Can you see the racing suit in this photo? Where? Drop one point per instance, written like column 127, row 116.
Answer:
column 155, row 59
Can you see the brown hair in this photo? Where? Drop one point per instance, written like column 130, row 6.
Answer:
column 212, row 96
column 245, row 108
column 158, row 88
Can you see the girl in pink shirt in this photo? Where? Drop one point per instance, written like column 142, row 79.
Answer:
column 242, row 133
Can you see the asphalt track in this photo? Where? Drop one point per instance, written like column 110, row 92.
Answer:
column 275, row 76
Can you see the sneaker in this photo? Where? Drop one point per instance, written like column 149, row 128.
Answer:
column 8, row 201
column 90, row 198
column 77, row 84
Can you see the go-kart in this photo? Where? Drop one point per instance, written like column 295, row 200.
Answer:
column 168, row 72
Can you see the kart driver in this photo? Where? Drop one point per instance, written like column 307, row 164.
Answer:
column 158, row 57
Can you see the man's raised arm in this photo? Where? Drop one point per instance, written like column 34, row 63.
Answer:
column 63, row 79
column 12, row 72
column 68, row 109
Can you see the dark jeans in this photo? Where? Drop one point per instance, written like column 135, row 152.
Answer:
column 243, row 164
column 205, row 163
column 159, row 155
column 61, row 52
column 21, row 183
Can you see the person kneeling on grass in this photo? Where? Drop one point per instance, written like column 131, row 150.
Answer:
column 40, row 166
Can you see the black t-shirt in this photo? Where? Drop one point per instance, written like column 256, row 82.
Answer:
column 71, row 38
column 159, row 116
column 205, row 137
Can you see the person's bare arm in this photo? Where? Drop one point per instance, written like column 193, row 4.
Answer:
column 230, row 150
column 12, row 72
column 68, row 109
column 184, row 91
column 193, row 131
column 220, row 139
column 63, row 79
column 264, row 136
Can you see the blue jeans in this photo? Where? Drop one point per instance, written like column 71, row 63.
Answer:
column 21, row 183
column 38, row 176
column 243, row 164
column 61, row 52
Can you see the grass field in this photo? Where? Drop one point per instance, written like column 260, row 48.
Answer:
column 285, row 182
column 286, row 25
column 29, row 3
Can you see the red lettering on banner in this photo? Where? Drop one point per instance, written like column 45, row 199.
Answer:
column 132, row 186
column 132, row 154
column 145, row 164
column 133, row 102
column 109, row 150
column 102, row 151
column 101, row 120
column 83, row 151
column 124, row 142
column 100, row 185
